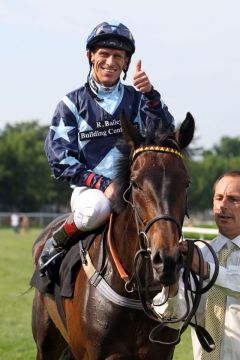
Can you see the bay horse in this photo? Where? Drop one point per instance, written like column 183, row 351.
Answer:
column 111, row 321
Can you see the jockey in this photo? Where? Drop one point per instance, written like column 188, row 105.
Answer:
column 81, row 145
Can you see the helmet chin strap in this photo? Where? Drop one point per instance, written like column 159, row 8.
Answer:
column 88, row 86
column 89, row 73
column 126, row 69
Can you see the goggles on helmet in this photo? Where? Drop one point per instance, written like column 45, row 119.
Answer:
column 112, row 36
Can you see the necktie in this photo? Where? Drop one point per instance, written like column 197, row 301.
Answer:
column 215, row 311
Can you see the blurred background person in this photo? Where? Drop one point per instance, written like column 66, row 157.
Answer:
column 15, row 221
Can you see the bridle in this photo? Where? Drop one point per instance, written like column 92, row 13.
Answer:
column 144, row 252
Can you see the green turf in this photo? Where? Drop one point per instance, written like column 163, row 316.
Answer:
column 15, row 306
column 184, row 348
column 16, row 340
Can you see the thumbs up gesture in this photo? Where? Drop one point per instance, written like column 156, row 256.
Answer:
column 140, row 79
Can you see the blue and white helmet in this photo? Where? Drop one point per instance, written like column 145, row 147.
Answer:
column 111, row 35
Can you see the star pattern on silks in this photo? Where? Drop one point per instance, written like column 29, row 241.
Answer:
column 61, row 131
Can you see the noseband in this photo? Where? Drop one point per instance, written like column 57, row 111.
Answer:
column 164, row 217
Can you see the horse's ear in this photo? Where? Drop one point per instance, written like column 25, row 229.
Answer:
column 130, row 133
column 184, row 134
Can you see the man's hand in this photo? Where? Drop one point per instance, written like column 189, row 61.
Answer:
column 140, row 79
column 195, row 263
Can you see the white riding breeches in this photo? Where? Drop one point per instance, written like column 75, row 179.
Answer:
column 90, row 207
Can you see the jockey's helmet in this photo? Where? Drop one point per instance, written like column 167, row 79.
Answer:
column 111, row 35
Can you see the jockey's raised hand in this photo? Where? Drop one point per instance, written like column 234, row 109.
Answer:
column 140, row 79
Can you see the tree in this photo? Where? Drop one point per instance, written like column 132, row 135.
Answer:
column 204, row 172
column 25, row 182
column 228, row 147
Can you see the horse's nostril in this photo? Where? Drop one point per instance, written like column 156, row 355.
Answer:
column 157, row 259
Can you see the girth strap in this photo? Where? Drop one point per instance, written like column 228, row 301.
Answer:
column 96, row 279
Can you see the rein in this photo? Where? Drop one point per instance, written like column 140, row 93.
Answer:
column 189, row 276
column 112, row 249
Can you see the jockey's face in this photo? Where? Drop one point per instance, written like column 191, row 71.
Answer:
column 108, row 65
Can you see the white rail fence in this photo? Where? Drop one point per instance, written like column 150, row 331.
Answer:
column 42, row 219
column 200, row 232
column 35, row 219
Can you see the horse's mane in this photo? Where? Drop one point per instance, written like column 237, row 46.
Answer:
column 123, row 165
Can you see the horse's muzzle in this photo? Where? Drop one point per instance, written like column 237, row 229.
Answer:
column 166, row 266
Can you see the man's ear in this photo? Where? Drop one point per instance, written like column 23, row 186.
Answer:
column 90, row 56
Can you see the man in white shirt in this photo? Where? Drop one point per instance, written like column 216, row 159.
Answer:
column 15, row 222
column 226, row 208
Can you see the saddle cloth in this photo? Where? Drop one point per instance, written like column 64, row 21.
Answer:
column 68, row 271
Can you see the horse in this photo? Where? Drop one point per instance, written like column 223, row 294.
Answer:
column 139, row 257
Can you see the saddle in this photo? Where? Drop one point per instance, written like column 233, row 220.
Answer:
column 67, row 267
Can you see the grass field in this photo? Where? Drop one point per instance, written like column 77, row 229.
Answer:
column 16, row 342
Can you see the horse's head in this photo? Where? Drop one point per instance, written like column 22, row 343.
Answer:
column 158, row 193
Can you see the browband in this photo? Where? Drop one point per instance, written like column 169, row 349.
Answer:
column 156, row 148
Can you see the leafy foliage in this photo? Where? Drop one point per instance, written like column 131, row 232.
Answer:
column 223, row 157
column 25, row 182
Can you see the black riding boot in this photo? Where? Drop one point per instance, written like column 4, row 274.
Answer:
column 54, row 248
